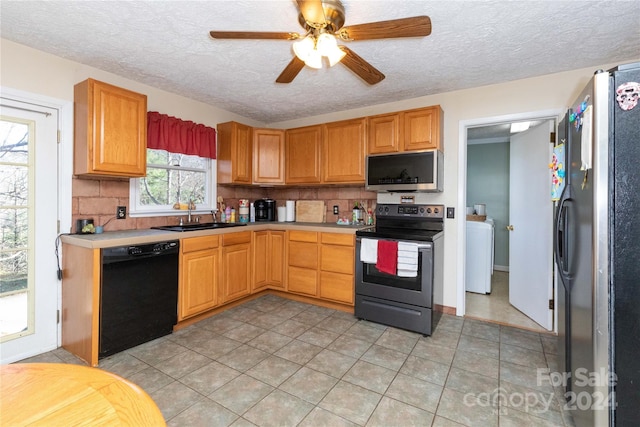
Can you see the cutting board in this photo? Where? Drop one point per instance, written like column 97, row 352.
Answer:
column 310, row 211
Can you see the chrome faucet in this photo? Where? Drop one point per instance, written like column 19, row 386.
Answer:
column 213, row 214
column 189, row 213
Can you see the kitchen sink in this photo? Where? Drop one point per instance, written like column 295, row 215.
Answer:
column 198, row 226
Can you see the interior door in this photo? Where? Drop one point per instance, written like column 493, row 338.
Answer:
column 28, row 213
column 531, row 224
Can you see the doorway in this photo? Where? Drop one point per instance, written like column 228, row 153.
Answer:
column 30, row 190
column 485, row 144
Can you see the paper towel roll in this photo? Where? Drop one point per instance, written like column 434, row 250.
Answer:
column 291, row 210
column 282, row 213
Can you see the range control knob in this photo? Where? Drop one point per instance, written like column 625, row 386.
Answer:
column 386, row 208
column 380, row 209
column 421, row 210
column 436, row 210
column 428, row 210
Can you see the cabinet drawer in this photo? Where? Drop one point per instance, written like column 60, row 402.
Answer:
column 303, row 236
column 338, row 259
column 303, row 280
column 338, row 239
column 337, row 287
column 199, row 243
column 236, row 238
column 303, row 254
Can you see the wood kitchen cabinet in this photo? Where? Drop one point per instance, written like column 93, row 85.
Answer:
column 235, row 153
column 411, row 130
column 236, row 266
column 384, row 134
column 199, row 275
column 344, row 147
column 302, row 155
column 110, row 138
column 268, row 156
column 337, row 265
column 268, row 260
column 302, row 265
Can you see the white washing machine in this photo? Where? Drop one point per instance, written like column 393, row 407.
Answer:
column 480, row 252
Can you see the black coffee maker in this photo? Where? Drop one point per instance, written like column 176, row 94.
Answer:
column 265, row 209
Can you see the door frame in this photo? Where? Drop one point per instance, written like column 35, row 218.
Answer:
column 463, row 125
column 64, row 166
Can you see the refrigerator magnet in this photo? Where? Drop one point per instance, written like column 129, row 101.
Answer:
column 627, row 95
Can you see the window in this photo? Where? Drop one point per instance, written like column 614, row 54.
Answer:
column 172, row 180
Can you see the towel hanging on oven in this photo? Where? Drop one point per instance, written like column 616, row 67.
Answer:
column 387, row 256
column 368, row 251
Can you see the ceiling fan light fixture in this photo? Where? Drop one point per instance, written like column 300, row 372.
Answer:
column 304, row 47
column 314, row 60
column 328, row 46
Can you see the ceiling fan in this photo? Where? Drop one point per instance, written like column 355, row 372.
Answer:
column 323, row 22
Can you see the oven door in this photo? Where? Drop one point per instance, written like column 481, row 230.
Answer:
column 409, row 290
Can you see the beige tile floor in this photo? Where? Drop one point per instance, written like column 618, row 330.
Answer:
column 495, row 306
column 276, row 362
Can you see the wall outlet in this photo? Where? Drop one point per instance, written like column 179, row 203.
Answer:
column 335, row 210
column 451, row 212
column 121, row 212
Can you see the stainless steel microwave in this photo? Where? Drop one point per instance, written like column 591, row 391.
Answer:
column 412, row 171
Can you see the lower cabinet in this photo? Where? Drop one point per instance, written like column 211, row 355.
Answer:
column 268, row 260
column 337, row 255
column 199, row 273
column 321, row 265
column 302, row 266
column 236, row 266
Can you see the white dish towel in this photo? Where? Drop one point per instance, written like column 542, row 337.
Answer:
column 408, row 259
column 369, row 251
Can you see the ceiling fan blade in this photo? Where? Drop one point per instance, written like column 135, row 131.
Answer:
column 312, row 11
column 291, row 71
column 417, row 26
column 362, row 68
column 253, row 35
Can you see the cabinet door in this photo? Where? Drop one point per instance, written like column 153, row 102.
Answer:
column 198, row 282
column 421, row 128
column 302, row 266
column 110, row 136
column 234, row 153
column 236, row 271
column 268, row 156
column 344, row 151
column 276, row 254
column 302, row 155
column 337, row 287
column 384, row 134
column 261, row 260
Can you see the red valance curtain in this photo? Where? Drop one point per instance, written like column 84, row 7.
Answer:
column 180, row 136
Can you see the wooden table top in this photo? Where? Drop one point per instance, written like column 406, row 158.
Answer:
column 54, row 394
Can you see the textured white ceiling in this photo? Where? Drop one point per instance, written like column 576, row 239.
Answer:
column 473, row 43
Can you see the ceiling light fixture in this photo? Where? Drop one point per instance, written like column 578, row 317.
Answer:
column 312, row 48
column 519, row 127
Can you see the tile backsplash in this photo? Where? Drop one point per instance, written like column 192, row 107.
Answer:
column 98, row 199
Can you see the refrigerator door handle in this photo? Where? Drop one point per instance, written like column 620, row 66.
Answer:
column 561, row 239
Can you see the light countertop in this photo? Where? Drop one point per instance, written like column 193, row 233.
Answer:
column 137, row 237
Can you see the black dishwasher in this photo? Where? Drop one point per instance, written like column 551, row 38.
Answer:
column 138, row 295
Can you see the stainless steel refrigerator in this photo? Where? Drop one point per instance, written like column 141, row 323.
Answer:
column 597, row 251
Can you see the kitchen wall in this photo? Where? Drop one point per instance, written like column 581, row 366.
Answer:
column 36, row 72
column 488, row 183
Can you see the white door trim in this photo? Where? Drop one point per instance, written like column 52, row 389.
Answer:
column 65, row 158
column 462, row 187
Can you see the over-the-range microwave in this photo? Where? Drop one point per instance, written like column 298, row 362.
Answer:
column 411, row 171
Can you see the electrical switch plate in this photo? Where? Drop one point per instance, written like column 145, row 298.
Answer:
column 451, row 212
column 335, row 209
column 121, row 212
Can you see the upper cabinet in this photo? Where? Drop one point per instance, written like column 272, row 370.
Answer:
column 268, row 156
column 384, row 133
column 343, row 151
column 110, row 138
column 302, row 155
column 411, row 130
column 234, row 153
